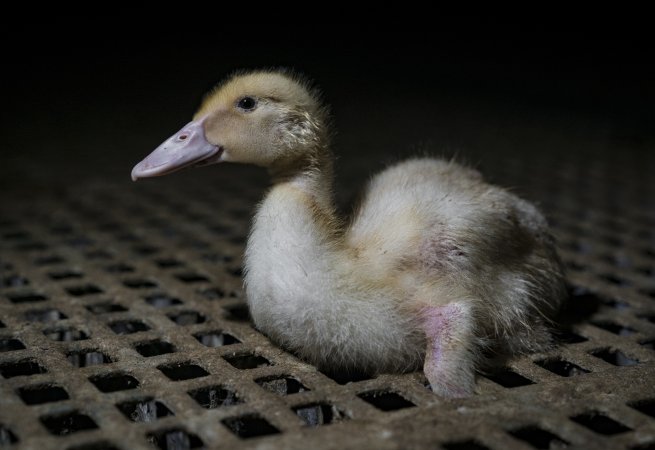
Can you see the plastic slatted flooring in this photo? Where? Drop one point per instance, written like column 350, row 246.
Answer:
column 123, row 326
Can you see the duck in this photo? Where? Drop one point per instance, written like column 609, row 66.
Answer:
column 435, row 269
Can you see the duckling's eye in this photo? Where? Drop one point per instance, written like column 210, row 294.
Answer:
column 247, row 104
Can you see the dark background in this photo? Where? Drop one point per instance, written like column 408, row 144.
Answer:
column 88, row 102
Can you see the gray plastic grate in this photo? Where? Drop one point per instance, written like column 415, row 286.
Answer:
column 123, row 325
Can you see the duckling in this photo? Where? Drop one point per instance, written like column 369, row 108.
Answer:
column 435, row 269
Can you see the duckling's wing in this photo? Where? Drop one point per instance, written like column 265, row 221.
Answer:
column 409, row 201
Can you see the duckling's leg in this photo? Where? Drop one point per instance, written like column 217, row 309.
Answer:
column 450, row 355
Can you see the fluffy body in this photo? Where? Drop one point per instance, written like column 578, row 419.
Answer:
column 428, row 234
column 435, row 268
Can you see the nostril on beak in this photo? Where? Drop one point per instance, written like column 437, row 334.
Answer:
column 182, row 137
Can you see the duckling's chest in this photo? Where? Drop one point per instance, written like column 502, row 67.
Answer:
column 332, row 325
column 288, row 263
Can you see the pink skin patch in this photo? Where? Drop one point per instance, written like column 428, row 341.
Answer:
column 440, row 252
column 443, row 365
column 437, row 320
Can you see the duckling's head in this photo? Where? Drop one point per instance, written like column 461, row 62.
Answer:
column 267, row 118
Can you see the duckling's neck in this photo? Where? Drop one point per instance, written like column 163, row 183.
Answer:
column 313, row 177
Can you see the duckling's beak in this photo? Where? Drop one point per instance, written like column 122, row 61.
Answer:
column 187, row 147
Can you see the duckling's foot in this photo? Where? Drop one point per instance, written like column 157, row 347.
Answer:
column 449, row 358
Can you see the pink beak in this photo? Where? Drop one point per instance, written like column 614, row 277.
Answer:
column 187, row 147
